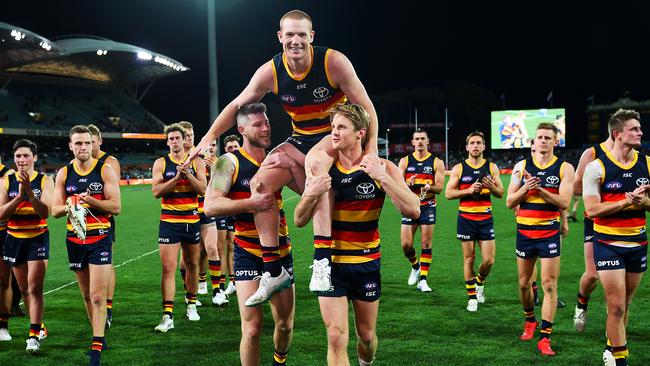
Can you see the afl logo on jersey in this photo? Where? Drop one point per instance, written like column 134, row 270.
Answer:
column 642, row 181
column 365, row 188
column 246, row 182
column 287, row 98
column 553, row 180
column 96, row 186
column 614, row 185
column 170, row 174
column 71, row 189
column 320, row 92
column 410, row 169
column 466, row 179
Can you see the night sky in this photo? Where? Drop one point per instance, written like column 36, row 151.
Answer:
column 524, row 52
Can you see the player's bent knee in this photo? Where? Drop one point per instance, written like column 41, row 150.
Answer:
column 98, row 298
column 366, row 337
column 252, row 332
column 616, row 310
column 549, row 286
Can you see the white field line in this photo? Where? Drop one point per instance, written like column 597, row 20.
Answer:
column 116, row 266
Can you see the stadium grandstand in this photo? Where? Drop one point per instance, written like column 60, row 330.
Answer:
column 48, row 86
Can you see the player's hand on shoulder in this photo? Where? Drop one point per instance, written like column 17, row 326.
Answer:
column 373, row 166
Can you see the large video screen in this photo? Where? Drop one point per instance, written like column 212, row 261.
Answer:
column 513, row 129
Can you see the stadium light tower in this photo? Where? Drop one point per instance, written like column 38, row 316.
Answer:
column 212, row 65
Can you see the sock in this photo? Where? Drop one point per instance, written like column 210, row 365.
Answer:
column 620, row 355
column 215, row 272
column 480, row 279
column 183, row 278
column 96, row 350
column 529, row 314
column 322, row 247
column 109, row 308
column 582, row 302
column 222, row 282
column 412, row 257
column 545, row 330
column 202, row 277
column 4, row 320
column 191, row 298
column 98, row 344
column 271, row 258
column 425, row 261
column 168, row 308
column 470, row 286
column 34, row 330
column 279, row 358
column 231, row 277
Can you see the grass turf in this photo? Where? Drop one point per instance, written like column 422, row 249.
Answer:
column 413, row 328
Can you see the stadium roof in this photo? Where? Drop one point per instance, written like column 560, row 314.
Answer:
column 83, row 57
column 19, row 46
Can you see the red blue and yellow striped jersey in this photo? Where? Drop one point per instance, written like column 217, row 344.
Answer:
column 25, row 222
column 358, row 201
column 77, row 182
column 476, row 207
column 424, row 172
column 246, row 235
column 308, row 97
column 537, row 219
column 181, row 205
column 626, row 228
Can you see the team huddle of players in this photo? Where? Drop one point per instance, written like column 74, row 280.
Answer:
column 331, row 161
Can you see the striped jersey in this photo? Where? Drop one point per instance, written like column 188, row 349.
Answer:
column 537, row 219
column 358, row 202
column 308, row 97
column 180, row 205
column 77, row 182
column 25, row 222
column 626, row 228
column 424, row 172
column 3, row 170
column 246, row 236
column 478, row 206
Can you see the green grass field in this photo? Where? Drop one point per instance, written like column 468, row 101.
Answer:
column 413, row 328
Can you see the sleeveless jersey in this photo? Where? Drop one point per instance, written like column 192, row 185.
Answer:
column 358, row 202
column 424, row 172
column 181, row 205
column 626, row 228
column 478, row 206
column 537, row 219
column 246, row 236
column 25, row 222
column 77, row 182
column 3, row 170
column 307, row 98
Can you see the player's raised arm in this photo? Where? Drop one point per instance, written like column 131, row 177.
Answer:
column 261, row 83
column 344, row 75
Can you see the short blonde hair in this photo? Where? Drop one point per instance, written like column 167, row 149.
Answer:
column 354, row 113
column 297, row 15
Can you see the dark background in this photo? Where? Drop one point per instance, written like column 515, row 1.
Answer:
column 408, row 54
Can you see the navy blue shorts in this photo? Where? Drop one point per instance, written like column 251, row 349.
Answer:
column 225, row 223
column 173, row 233
column 589, row 230
column 111, row 219
column 533, row 248
column 204, row 220
column 427, row 216
column 97, row 253
column 3, row 237
column 355, row 281
column 475, row 230
column 248, row 265
column 19, row 251
column 609, row 257
column 304, row 143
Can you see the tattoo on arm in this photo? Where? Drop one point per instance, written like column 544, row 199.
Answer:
column 221, row 173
